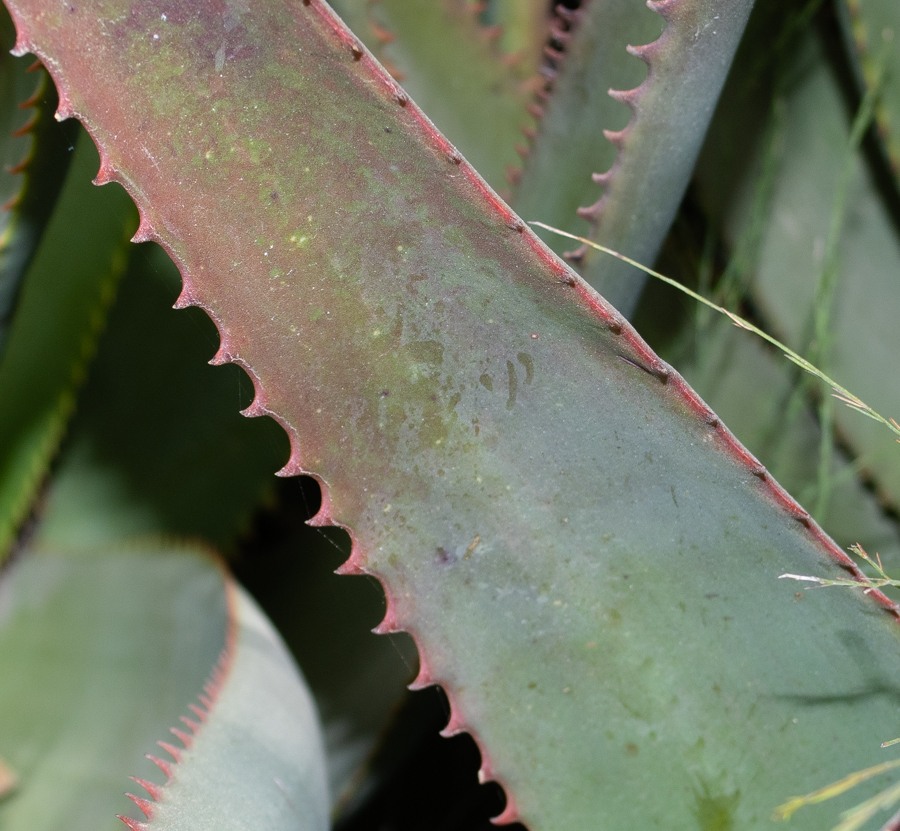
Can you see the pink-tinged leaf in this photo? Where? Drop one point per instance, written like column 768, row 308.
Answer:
column 587, row 558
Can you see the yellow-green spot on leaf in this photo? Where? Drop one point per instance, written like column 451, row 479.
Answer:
column 298, row 239
column 315, row 314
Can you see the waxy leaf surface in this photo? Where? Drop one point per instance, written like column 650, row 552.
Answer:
column 100, row 653
column 586, row 557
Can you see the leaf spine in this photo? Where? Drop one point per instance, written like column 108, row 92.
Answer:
column 145, row 805
column 133, row 824
column 155, row 791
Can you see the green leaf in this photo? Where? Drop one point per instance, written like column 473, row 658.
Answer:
column 36, row 153
column 100, row 653
column 157, row 445
column 811, row 230
column 452, row 66
column 64, row 300
column 524, row 32
column 872, row 26
column 254, row 759
column 587, row 559
column 644, row 166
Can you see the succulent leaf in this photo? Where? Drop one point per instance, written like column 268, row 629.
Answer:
column 126, row 638
column 643, row 167
column 790, row 253
column 586, row 557
column 450, row 65
column 872, row 27
column 59, row 318
column 524, row 31
column 157, row 446
column 251, row 756
column 36, row 156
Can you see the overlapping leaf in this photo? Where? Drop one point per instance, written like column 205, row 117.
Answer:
column 586, row 557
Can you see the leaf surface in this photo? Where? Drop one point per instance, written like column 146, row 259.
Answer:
column 640, row 167
column 792, row 253
column 125, row 640
column 36, row 152
column 64, row 300
column 450, row 64
column 587, row 558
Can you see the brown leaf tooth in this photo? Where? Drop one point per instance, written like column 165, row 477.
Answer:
column 617, row 137
column 21, row 167
column 423, row 678
column 173, row 751
column 155, row 791
column 591, row 212
column 106, row 173
column 145, row 232
column 186, row 738
column 23, row 45
column 206, row 702
column 536, row 110
column 64, row 109
column 570, row 16
column 549, row 73
column 201, row 714
column 559, row 34
column 186, row 298
column 351, row 566
column 629, row 97
column 222, row 356
column 133, row 824
column 390, row 624
column 455, row 725
column 492, row 32
column 553, row 54
column 647, row 52
column 665, row 8
column 145, row 805
column 324, row 516
column 35, row 97
column 26, row 127
column 35, row 66
column 191, row 725
column 256, row 409
column 383, row 35
column 575, row 257
column 479, row 8
column 162, row 764
column 513, row 174
column 529, row 132
column 603, row 178
column 510, row 812
column 523, row 151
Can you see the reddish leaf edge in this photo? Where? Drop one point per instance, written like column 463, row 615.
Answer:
column 634, row 351
column 648, row 53
column 201, row 710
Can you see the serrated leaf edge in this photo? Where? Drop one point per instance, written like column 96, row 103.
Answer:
column 634, row 351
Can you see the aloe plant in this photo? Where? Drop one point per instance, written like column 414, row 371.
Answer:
column 585, row 556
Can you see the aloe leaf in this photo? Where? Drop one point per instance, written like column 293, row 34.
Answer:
column 642, row 167
column 586, row 557
column 452, row 66
column 524, row 31
column 64, row 301
column 126, row 639
column 36, row 152
column 157, row 445
column 871, row 26
column 749, row 387
column 792, row 253
column 253, row 757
